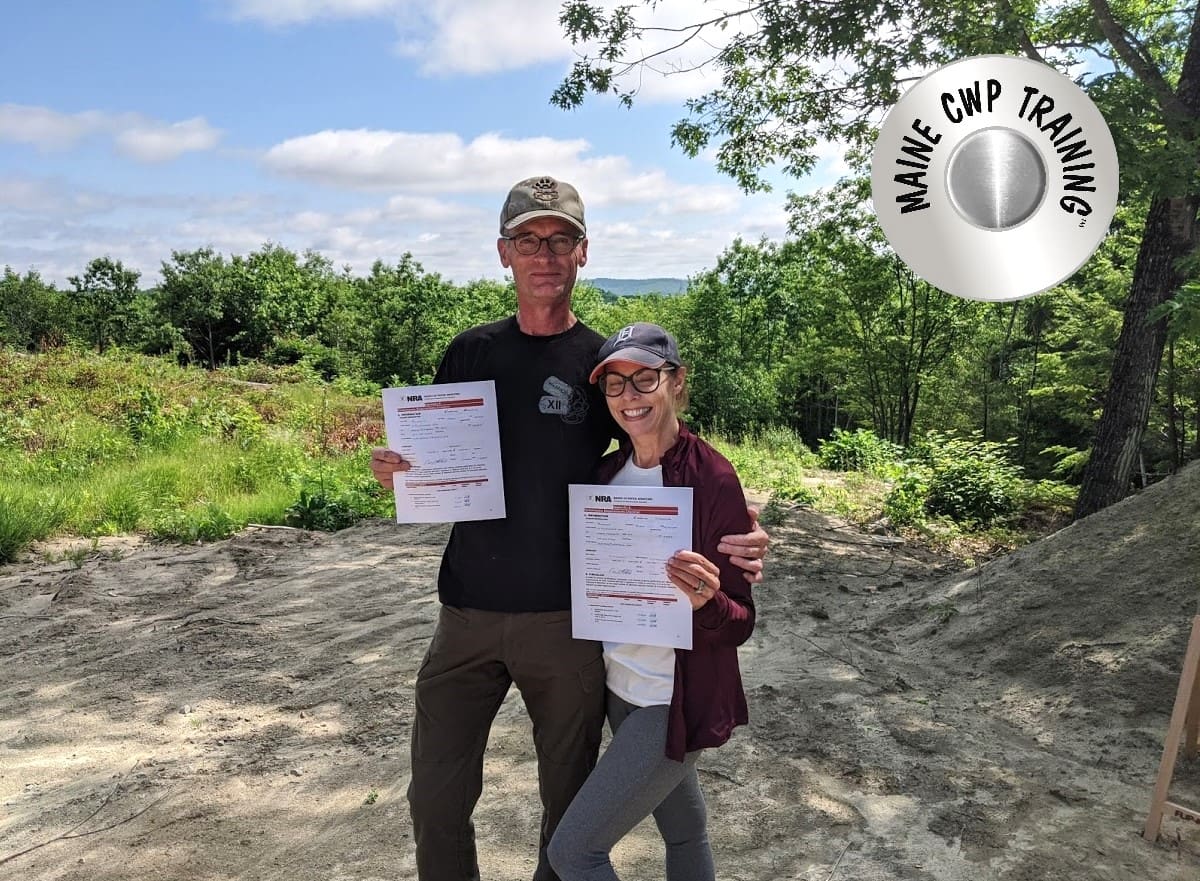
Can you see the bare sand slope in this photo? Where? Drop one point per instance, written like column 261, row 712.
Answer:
column 241, row 710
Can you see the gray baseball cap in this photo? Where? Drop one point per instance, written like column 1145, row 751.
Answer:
column 641, row 343
column 541, row 197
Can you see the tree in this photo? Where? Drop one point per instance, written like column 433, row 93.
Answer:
column 242, row 307
column 896, row 328
column 283, row 296
column 106, row 292
column 32, row 313
column 403, row 309
column 195, row 297
column 795, row 73
column 728, row 391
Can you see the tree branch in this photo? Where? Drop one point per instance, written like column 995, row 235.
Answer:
column 1023, row 39
column 1141, row 66
column 701, row 25
column 71, row 833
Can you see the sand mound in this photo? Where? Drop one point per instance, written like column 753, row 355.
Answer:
column 1088, row 624
column 241, row 710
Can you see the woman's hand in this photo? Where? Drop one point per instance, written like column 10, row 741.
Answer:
column 695, row 575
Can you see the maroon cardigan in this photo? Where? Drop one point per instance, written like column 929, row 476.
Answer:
column 708, row 701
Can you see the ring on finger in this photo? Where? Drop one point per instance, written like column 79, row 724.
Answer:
column 699, row 588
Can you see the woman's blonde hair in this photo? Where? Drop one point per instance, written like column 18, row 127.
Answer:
column 681, row 396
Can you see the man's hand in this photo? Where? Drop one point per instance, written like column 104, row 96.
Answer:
column 384, row 465
column 747, row 551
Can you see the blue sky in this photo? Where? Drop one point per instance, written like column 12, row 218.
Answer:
column 359, row 128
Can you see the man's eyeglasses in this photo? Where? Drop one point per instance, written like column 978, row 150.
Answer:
column 645, row 381
column 528, row 244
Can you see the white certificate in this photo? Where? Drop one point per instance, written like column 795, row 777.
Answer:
column 621, row 539
column 451, row 436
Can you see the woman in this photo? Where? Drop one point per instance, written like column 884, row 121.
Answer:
column 664, row 705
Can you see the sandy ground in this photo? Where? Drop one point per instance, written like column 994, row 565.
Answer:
column 241, row 710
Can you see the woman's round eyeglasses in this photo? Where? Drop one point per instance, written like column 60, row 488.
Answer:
column 528, row 244
column 645, row 381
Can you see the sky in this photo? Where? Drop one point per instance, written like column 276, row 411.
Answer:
column 361, row 129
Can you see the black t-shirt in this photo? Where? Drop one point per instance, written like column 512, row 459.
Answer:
column 554, row 427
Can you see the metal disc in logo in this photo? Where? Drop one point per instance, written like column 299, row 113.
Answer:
column 994, row 178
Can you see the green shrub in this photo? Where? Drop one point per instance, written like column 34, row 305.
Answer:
column 338, row 493
column 150, row 422
column 970, row 491
column 75, row 446
column 319, row 511
column 204, row 522
column 355, row 386
column 793, row 492
column 232, row 420
column 860, row 450
column 904, row 504
column 308, row 352
column 16, row 429
column 322, row 512
column 971, row 480
column 773, row 513
column 1046, row 495
column 1070, row 464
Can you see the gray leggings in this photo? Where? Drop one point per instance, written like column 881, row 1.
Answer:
column 632, row 779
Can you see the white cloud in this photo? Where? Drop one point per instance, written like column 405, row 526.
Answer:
column 153, row 141
column 461, row 251
column 440, row 204
column 136, row 136
column 422, row 163
column 441, row 162
column 283, row 12
column 45, row 128
column 473, row 37
column 831, row 159
column 699, row 200
column 476, row 37
column 49, row 198
column 425, row 208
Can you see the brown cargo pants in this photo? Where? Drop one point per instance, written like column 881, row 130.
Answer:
column 473, row 658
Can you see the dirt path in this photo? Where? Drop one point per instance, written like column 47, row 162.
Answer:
column 241, row 710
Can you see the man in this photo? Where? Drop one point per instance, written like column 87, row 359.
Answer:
column 505, row 584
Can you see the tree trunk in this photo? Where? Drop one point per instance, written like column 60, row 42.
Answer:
column 1196, row 422
column 1173, row 437
column 1169, row 234
column 1037, row 342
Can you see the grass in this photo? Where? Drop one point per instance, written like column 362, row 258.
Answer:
column 94, row 445
column 102, row 445
column 27, row 517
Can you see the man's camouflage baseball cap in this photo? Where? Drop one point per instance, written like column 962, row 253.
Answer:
column 541, row 197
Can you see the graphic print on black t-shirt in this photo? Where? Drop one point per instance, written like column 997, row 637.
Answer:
column 567, row 401
column 554, row 427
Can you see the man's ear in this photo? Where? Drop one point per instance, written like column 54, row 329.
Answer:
column 582, row 259
column 502, row 248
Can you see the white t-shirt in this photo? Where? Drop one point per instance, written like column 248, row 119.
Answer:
column 643, row 675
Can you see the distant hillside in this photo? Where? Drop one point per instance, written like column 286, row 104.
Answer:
column 628, row 287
